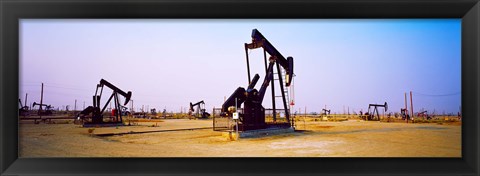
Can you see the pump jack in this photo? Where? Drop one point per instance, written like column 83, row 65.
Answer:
column 253, row 116
column 23, row 111
column 97, row 113
column 325, row 111
column 404, row 113
column 424, row 115
column 375, row 115
column 199, row 109
column 153, row 111
column 48, row 109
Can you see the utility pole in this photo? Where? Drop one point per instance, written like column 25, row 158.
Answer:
column 41, row 103
column 26, row 96
column 305, row 115
column 236, row 120
column 75, row 107
column 406, row 107
column 132, row 106
column 411, row 103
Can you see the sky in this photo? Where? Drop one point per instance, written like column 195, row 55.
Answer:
column 340, row 64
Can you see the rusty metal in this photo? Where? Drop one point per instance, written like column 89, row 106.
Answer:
column 405, row 115
column 424, row 115
column 411, row 104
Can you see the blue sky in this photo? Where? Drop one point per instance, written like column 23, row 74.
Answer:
column 169, row 63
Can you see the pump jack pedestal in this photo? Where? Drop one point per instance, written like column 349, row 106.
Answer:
column 256, row 117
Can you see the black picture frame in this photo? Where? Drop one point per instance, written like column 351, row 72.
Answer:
column 13, row 10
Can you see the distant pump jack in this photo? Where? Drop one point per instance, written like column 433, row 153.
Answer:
column 375, row 114
column 199, row 109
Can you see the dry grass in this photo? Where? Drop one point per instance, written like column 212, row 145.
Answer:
column 352, row 138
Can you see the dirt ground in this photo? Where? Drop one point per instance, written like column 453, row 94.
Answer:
column 352, row 138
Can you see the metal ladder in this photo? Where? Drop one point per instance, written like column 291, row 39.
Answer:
column 285, row 89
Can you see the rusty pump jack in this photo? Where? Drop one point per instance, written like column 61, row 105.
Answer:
column 97, row 113
column 199, row 109
column 424, row 115
column 253, row 116
column 375, row 115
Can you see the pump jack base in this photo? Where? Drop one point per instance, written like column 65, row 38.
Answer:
column 104, row 124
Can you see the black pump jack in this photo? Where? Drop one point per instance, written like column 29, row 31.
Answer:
column 253, row 116
column 325, row 111
column 47, row 111
column 199, row 109
column 97, row 113
column 375, row 115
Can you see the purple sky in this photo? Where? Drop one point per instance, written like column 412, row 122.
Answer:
column 170, row 63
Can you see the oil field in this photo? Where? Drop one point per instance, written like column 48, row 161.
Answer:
column 210, row 109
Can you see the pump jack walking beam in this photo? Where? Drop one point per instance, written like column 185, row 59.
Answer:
column 258, row 40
